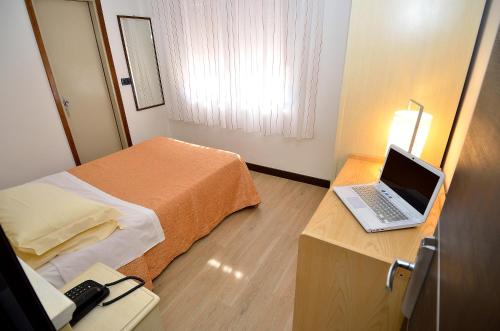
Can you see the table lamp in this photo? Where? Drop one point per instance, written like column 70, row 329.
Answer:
column 410, row 128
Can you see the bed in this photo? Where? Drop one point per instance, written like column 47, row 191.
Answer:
column 185, row 188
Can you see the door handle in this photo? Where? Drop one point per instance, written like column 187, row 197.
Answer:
column 420, row 269
column 66, row 105
column 398, row 263
column 425, row 254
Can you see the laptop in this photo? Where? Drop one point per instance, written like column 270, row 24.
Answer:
column 402, row 197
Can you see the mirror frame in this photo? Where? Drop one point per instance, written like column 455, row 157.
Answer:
column 128, row 61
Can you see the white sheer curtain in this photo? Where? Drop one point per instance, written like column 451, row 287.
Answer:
column 241, row 64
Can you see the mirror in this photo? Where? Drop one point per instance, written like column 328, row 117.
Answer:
column 140, row 52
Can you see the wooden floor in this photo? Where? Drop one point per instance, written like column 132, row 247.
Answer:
column 242, row 275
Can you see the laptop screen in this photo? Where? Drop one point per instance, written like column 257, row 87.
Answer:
column 409, row 180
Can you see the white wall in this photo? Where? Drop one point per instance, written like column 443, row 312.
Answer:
column 33, row 143
column 143, row 124
column 312, row 157
column 474, row 87
column 32, row 140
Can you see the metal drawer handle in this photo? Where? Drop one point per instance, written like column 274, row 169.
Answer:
column 392, row 271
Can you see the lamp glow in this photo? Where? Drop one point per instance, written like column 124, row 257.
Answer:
column 403, row 128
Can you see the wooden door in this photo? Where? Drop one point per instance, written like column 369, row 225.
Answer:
column 69, row 37
column 462, row 289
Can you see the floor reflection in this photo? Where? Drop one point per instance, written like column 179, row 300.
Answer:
column 225, row 268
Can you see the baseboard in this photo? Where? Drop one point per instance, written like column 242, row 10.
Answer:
column 289, row 175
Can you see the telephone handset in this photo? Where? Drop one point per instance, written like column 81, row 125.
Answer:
column 86, row 296
column 89, row 294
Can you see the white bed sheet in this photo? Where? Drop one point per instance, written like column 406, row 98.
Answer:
column 141, row 231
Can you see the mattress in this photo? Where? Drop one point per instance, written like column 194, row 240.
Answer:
column 191, row 189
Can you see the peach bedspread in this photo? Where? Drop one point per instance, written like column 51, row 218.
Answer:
column 191, row 188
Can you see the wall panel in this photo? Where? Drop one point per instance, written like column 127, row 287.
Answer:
column 397, row 50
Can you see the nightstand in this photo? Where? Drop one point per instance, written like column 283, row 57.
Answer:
column 137, row 311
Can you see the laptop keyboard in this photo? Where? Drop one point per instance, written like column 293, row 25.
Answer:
column 385, row 210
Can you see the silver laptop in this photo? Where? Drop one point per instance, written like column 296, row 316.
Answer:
column 402, row 198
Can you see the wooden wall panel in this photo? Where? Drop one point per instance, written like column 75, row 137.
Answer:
column 397, row 50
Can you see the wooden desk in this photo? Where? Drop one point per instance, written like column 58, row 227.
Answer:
column 341, row 269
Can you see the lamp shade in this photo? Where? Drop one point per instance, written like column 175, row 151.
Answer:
column 403, row 127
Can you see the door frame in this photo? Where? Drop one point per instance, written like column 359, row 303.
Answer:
column 108, row 67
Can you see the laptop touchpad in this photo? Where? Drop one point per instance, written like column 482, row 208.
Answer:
column 356, row 202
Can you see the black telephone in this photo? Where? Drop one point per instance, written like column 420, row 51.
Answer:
column 86, row 296
column 89, row 294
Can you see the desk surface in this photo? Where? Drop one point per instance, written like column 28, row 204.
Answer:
column 333, row 222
